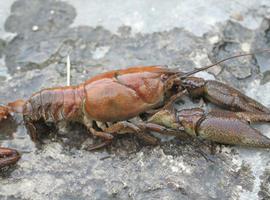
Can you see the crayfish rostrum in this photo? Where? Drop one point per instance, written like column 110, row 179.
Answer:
column 105, row 104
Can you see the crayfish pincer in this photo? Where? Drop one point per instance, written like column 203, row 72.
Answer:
column 222, row 95
column 8, row 157
column 225, row 127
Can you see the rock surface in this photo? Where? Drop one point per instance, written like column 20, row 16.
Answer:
column 101, row 36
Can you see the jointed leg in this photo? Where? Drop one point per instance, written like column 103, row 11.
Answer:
column 141, row 128
column 101, row 134
column 32, row 129
column 127, row 127
column 169, row 104
column 163, row 130
column 173, row 99
column 107, row 139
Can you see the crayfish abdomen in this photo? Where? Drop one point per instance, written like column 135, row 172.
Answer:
column 54, row 104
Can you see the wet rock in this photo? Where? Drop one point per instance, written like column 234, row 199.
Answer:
column 236, row 39
column 265, row 185
column 87, row 46
column 42, row 16
column 262, row 41
column 266, row 77
column 263, row 62
column 145, row 174
column 39, row 33
column 257, row 91
column 124, row 31
column 59, row 167
column 2, row 47
column 247, row 178
column 96, row 47
column 235, row 32
column 240, row 67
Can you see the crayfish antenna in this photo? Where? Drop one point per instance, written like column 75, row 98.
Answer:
column 221, row 61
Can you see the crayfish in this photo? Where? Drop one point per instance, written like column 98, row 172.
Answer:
column 106, row 104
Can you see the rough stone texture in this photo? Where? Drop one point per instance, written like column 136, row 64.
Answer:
column 45, row 32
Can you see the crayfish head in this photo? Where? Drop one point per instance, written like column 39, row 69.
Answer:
column 189, row 119
column 173, row 85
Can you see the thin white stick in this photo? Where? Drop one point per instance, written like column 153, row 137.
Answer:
column 68, row 71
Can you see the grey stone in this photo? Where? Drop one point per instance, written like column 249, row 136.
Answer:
column 60, row 168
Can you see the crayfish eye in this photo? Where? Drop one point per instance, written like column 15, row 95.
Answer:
column 188, row 84
column 164, row 77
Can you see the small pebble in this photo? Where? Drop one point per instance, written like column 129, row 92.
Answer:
column 214, row 39
column 35, row 28
column 245, row 47
column 237, row 16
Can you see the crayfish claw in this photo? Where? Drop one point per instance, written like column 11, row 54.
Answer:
column 228, row 128
column 98, row 146
column 225, row 96
column 8, row 157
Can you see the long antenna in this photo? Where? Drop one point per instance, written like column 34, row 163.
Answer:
column 231, row 57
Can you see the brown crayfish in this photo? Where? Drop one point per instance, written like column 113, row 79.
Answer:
column 105, row 104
